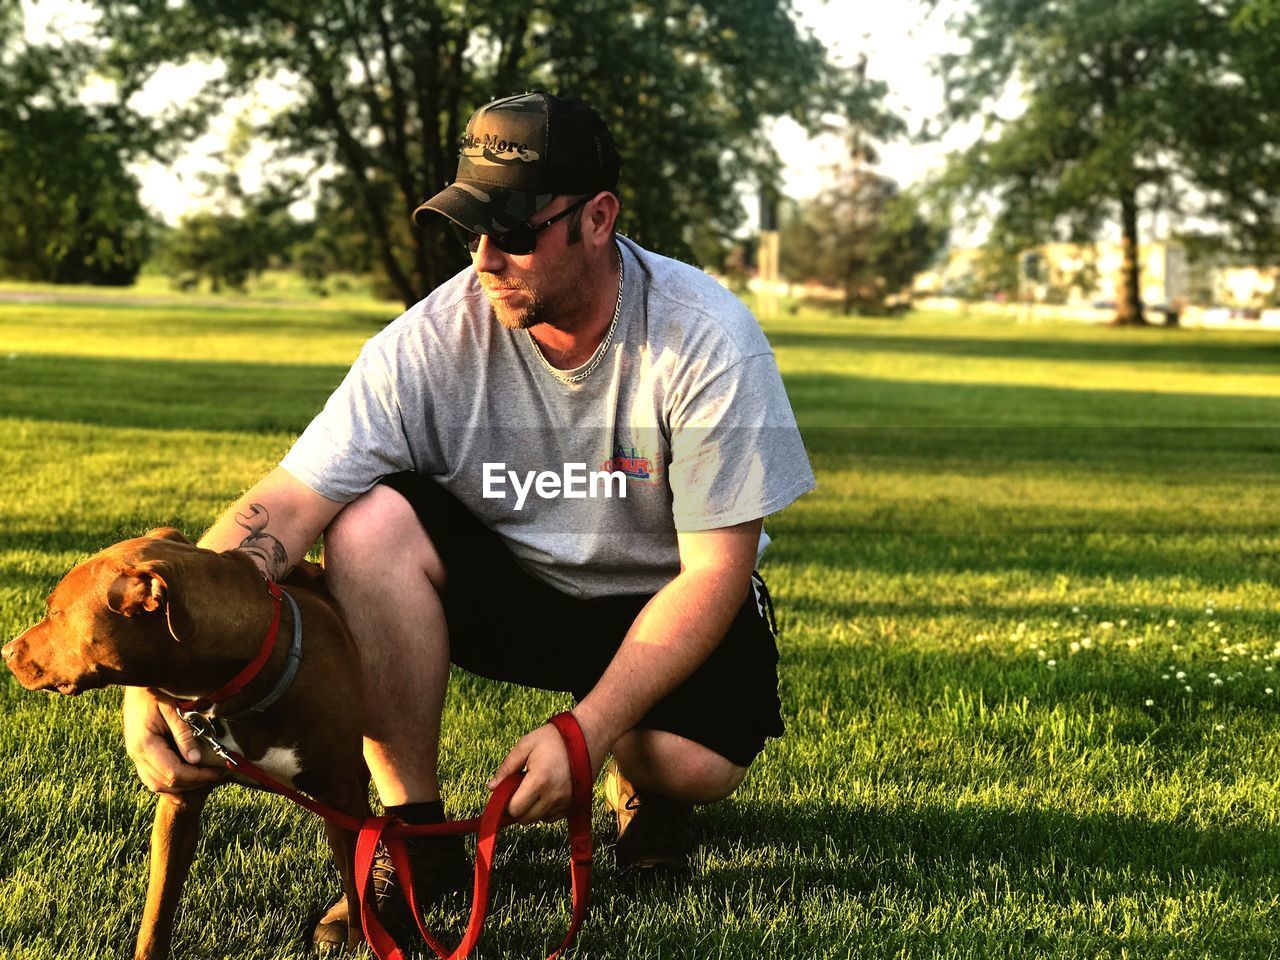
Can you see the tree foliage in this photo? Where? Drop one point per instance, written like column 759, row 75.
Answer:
column 1153, row 105
column 69, row 211
column 384, row 90
column 863, row 236
column 238, row 239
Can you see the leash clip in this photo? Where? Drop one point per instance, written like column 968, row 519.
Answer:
column 203, row 728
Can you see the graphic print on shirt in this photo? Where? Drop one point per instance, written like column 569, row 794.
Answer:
column 638, row 466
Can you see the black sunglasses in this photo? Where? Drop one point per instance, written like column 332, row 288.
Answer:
column 520, row 239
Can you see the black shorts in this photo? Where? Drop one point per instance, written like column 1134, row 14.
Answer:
column 506, row 624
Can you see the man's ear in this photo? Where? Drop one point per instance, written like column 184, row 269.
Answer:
column 167, row 533
column 136, row 591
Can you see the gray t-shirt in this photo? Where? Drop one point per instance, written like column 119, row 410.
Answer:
column 685, row 403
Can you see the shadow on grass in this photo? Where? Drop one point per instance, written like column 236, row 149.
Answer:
column 167, row 394
column 1164, row 453
column 1215, row 557
column 176, row 316
column 1158, row 348
column 923, row 850
column 78, row 543
column 848, row 399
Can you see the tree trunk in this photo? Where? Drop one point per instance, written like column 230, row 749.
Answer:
column 1129, row 300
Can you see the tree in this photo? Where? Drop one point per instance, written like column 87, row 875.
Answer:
column 240, row 235
column 384, row 89
column 69, row 211
column 334, row 241
column 863, row 236
column 1157, row 106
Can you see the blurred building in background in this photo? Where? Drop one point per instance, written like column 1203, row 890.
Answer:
column 1082, row 281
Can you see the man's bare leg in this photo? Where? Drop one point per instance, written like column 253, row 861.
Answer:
column 387, row 576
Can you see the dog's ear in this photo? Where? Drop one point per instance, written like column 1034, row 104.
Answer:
column 144, row 589
column 167, row 533
column 137, row 590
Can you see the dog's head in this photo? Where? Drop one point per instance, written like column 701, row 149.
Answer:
column 111, row 618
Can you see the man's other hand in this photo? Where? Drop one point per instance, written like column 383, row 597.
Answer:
column 149, row 723
column 547, row 789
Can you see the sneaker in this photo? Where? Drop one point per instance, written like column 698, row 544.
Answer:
column 440, row 869
column 655, row 833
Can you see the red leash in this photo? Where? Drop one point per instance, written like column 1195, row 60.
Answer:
column 392, row 833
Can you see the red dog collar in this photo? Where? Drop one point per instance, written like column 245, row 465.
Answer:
column 252, row 669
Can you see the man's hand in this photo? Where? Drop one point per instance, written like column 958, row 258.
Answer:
column 547, row 789
column 148, row 721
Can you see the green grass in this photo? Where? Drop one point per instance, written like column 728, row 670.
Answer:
column 1030, row 634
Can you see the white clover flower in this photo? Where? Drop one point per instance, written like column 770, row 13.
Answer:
column 1148, row 702
column 1187, row 688
column 1270, row 691
column 1171, row 622
column 1051, row 664
column 1218, row 682
column 1213, row 676
column 1106, row 625
column 1164, row 676
column 1075, row 609
column 1041, row 654
column 1217, row 628
column 1181, row 674
column 1075, row 646
column 1124, row 623
column 980, row 637
column 1053, row 624
column 1086, row 642
column 1176, row 647
column 1219, row 727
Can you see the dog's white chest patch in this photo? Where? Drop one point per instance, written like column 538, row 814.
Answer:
column 281, row 762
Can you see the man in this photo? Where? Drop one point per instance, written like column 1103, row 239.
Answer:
column 450, row 474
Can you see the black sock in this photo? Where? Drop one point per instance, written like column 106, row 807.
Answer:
column 424, row 811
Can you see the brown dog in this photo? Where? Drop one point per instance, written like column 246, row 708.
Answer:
column 159, row 612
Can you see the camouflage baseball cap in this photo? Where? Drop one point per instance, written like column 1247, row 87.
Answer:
column 518, row 153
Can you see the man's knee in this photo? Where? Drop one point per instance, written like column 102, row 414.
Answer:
column 676, row 767
column 378, row 530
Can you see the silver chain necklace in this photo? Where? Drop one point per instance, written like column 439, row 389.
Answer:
column 600, row 350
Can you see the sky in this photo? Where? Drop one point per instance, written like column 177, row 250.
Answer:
column 900, row 39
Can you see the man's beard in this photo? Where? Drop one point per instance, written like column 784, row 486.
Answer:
column 516, row 317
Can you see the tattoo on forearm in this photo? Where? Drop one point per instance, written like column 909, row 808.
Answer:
column 264, row 549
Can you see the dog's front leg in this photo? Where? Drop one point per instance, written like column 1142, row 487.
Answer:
column 343, row 844
column 173, row 844
column 349, row 796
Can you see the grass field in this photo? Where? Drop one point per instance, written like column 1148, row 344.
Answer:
column 1029, row 653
